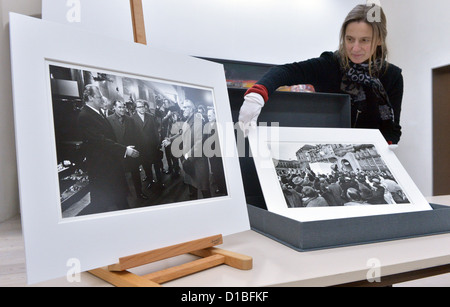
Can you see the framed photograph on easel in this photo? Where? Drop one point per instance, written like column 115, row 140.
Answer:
column 60, row 71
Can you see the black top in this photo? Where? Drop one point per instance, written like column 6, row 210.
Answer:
column 325, row 74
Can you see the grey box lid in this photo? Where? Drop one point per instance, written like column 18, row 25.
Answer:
column 306, row 236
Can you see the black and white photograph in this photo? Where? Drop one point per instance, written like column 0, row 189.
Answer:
column 325, row 175
column 314, row 174
column 125, row 142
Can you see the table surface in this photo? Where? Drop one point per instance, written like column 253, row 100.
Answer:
column 274, row 264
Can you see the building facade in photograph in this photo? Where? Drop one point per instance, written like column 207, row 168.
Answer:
column 346, row 157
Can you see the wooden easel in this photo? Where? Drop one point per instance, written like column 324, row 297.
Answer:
column 119, row 275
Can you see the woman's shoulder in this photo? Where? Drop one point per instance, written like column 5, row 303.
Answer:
column 329, row 55
column 392, row 70
column 392, row 74
column 327, row 58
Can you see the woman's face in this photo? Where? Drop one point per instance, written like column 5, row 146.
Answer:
column 358, row 42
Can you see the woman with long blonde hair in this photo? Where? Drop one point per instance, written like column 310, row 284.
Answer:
column 359, row 68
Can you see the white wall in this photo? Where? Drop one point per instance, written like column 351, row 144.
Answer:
column 108, row 17
column 9, row 197
column 265, row 31
column 419, row 41
column 252, row 30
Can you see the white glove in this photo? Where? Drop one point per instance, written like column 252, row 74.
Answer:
column 393, row 147
column 250, row 110
column 131, row 152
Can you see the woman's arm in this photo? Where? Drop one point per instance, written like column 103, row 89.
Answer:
column 322, row 72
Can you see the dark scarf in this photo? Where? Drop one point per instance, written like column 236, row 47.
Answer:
column 357, row 79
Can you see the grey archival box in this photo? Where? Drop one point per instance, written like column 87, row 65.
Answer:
column 291, row 109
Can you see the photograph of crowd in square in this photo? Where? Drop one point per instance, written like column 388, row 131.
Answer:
column 322, row 175
column 124, row 142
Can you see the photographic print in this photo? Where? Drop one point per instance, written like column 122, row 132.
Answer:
column 313, row 174
column 98, row 115
column 96, row 185
column 323, row 175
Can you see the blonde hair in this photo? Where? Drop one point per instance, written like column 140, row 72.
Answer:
column 364, row 13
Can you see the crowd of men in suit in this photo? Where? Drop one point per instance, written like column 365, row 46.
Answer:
column 132, row 141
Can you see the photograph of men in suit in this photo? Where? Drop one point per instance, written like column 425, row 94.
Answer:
column 104, row 156
column 152, row 148
column 150, row 143
column 126, row 132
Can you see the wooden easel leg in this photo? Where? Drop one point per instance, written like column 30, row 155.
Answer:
column 185, row 269
column 123, row 278
column 235, row 260
column 132, row 261
column 137, row 16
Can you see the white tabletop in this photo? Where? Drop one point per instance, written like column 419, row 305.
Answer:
column 274, row 264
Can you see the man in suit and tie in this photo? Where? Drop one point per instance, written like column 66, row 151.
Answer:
column 126, row 133
column 104, row 156
column 194, row 161
column 150, row 141
column 214, row 156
